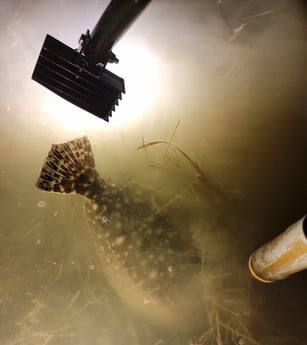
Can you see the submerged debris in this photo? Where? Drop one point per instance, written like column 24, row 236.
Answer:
column 225, row 327
column 41, row 203
column 194, row 164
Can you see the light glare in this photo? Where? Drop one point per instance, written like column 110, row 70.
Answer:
column 140, row 70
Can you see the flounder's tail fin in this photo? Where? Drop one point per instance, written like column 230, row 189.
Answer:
column 64, row 165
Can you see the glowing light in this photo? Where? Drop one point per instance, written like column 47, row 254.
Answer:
column 140, row 70
column 142, row 73
column 69, row 116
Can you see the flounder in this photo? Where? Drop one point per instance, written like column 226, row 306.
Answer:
column 144, row 257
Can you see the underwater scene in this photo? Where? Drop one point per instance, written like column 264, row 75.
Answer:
column 138, row 231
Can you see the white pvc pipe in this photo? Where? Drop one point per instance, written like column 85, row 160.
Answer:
column 284, row 255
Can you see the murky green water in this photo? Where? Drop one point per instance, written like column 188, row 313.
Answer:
column 234, row 104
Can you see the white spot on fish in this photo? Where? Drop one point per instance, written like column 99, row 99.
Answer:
column 170, row 268
column 119, row 240
column 146, row 300
column 104, row 219
column 153, row 275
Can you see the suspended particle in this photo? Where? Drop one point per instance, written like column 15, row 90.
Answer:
column 41, row 203
column 146, row 300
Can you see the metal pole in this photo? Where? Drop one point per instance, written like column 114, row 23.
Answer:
column 113, row 23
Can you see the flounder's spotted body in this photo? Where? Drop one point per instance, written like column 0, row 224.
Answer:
column 143, row 255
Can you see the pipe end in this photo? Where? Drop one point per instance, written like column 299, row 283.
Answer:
column 254, row 274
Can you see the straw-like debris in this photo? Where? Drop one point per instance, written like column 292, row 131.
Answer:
column 194, row 164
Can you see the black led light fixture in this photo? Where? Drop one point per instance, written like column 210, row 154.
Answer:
column 80, row 75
